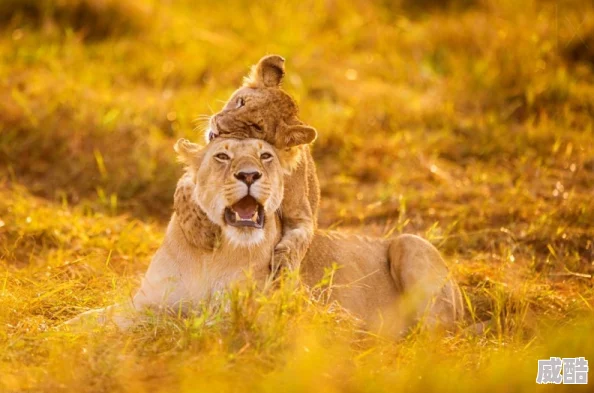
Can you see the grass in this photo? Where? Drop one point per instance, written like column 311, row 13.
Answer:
column 467, row 122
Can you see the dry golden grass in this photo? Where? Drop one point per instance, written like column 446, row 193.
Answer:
column 467, row 122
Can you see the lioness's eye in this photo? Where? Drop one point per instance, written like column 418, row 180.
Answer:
column 222, row 157
column 265, row 156
column 240, row 102
column 257, row 127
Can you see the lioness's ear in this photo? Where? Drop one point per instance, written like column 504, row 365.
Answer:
column 187, row 152
column 268, row 72
column 295, row 135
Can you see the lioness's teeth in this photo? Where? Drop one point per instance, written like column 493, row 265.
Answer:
column 237, row 218
column 255, row 216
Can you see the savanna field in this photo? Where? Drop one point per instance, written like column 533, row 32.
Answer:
column 468, row 122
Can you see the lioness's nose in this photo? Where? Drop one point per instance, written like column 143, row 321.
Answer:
column 248, row 177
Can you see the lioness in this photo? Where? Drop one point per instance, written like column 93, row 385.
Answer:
column 261, row 109
column 238, row 186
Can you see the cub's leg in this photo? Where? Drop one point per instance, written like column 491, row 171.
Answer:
column 197, row 229
column 290, row 251
column 429, row 294
column 298, row 221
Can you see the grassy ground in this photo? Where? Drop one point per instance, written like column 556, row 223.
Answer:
column 469, row 122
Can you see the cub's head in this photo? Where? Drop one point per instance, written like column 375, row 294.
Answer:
column 238, row 184
column 260, row 109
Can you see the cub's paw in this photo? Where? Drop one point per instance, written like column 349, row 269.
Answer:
column 284, row 258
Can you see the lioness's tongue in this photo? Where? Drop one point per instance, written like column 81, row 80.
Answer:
column 246, row 207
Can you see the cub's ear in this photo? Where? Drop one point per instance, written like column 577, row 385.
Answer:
column 187, row 152
column 295, row 135
column 268, row 72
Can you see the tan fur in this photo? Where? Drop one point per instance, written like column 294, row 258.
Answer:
column 186, row 269
column 389, row 283
column 261, row 109
column 198, row 230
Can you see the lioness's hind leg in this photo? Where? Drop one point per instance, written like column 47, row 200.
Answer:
column 429, row 294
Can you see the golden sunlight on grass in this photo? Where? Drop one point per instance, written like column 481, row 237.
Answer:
column 469, row 122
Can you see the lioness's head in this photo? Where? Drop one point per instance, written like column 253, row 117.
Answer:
column 261, row 109
column 239, row 184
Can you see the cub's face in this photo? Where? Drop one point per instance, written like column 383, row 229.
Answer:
column 261, row 109
column 239, row 184
column 253, row 112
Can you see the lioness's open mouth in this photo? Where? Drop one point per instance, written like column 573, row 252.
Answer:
column 247, row 212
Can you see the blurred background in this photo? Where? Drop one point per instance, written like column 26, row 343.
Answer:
column 469, row 122
column 435, row 117
column 472, row 113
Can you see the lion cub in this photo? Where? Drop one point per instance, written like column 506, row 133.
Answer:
column 261, row 109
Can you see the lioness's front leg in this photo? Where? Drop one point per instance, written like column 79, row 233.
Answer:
column 122, row 315
column 162, row 287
